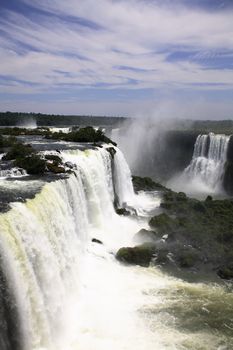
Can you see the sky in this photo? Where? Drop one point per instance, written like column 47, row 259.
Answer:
column 168, row 58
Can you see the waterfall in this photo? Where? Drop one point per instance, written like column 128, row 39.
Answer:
column 123, row 182
column 209, row 157
column 43, row 243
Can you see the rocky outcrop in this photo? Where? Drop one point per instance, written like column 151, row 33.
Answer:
column 139, row 255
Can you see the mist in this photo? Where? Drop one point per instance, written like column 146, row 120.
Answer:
column 27, row 122
column 144, row 143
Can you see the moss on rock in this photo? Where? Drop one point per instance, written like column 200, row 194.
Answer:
column 33, row 164
column 139, row 255
column 146, row 184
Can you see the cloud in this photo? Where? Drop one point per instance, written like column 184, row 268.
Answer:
column 70, row 46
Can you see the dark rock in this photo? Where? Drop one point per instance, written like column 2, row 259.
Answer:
column 54, row 168
column 226, row 272
column 139, row 255
column 95, row 240
column 228, row 177
column 54, row 158
column 70, row 165
column 112, row 151
column 122, row 211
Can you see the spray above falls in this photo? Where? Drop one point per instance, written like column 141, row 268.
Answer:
column 209, row 157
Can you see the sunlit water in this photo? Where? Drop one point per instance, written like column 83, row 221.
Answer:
column 72, row 294
column 205, row 173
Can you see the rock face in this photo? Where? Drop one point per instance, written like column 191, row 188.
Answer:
column 139, row 255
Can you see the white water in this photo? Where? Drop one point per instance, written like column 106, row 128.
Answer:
column 49, row 257
column 13, row 172
column 71, row 293
column 206, row 170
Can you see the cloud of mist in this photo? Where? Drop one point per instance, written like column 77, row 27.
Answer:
column 143, row 142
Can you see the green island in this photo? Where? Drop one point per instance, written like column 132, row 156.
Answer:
column 189, row 235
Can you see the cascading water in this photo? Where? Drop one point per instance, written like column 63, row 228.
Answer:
column 61, row 291
column 208, row 160
column 42, row 245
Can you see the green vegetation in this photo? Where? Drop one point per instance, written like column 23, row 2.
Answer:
column 190, row 234
column 18, row 151
column 205, row 228
column 146, row 184
column 33, row 164
column 23, row 131
column 16, row 118
column 86, row 134
column 139, row 255
column 6, row 142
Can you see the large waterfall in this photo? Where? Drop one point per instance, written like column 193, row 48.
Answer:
column 209, row 157
column 44, row 245
column 62, row 290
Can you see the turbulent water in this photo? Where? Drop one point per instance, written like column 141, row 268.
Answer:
column 61, row 291
column 206, row 169
column 209, row 157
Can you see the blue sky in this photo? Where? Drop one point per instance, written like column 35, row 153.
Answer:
column 163, row 58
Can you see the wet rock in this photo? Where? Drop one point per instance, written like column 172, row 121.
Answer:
column 56, row 169
column 139, row 255
column 54, row 158
column 112, row 151
column 70, row 165
column 95, row 240
column 122, row 211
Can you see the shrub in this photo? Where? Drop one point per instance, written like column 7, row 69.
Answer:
column 33, row 164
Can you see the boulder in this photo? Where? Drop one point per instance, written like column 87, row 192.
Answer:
column 54, row 168
column 138, row 255
column 122, row 211
column 95, row 240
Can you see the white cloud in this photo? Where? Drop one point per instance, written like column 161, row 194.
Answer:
column 136, row 34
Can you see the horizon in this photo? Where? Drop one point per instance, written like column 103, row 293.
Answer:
column 130, row 58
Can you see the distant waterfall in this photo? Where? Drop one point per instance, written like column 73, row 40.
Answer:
column 41, row 245
column 209, row 157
